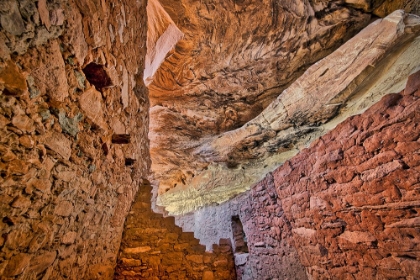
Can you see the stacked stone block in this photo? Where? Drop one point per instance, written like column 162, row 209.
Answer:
column 153, row 247
column 65, row 186
column 353, row 197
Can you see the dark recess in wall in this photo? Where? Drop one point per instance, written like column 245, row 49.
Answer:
column 239, row 236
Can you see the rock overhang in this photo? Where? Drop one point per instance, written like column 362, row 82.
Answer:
column 205, row 149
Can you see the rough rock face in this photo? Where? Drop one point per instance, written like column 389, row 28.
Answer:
column 347, row 205
column 214, row 168
column 73, row 134
column 153, row 247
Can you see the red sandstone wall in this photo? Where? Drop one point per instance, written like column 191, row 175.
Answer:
column 353, row 197
column 154, row 248
column 66, row 180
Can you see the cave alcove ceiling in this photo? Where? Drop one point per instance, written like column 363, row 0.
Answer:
column 238, row 87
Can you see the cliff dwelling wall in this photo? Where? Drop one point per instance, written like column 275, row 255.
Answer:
column 352, row 198
column 74, row 145
column 73, row 134
column 344, row 208
column 153, row 247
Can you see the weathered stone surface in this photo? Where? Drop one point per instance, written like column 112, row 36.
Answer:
column 44, row 14
column 234, row 59
column 143, row 249
column 58, row 143
column 67, row 184
column 11, row 78
column 17, row 265
column 69, row 237
column 345, row 83
column 64, row 208
column 47, row 67
column 40, row 263
column 316, row 217
column 267, row 251
column 162, row 36
column 91, row 104
column 11, row 19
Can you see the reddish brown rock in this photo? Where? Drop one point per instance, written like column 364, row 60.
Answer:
column 196, row 168
column 64, row 208
column 17, row 265
column 21, row 202
column 59, row 143
column 47, row 68
column 40, row 263
column 91, row 104
column 12, row 79
column 69, row 237
column 58, row 191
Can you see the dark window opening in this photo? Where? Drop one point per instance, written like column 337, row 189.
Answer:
column 129, row 161
column 239, row 237
column 96, row 75
column 121, row 138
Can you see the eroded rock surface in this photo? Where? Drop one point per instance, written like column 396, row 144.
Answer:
column 204, row 168
column 234, row 59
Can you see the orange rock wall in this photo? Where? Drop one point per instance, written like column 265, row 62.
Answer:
column 154, row 248
column 73, row 137
column 353, row 197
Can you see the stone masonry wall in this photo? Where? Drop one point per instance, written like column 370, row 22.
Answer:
column 353, row 197
column 154, row 248
column 270, row 252
column 345, row 208
column 73, row 134
column 269, row 238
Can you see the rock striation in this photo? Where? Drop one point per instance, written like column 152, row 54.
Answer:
column 235, row 58
column 70, row 86
column 345, row 83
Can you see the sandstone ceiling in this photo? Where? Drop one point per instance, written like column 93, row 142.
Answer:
column 230, row 98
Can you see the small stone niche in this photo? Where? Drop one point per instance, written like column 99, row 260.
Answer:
column 129, row 161
column 239, row 237
column 121, row 139
column 97, row 76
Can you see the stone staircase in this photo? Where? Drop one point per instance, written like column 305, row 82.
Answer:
column 153, row 247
